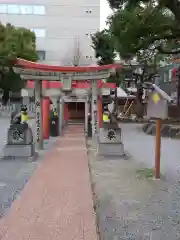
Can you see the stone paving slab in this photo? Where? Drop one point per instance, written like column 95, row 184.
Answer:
column 57, row 201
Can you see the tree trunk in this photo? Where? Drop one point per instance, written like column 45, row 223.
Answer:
column 139, row 110
column 139, row 103
column 5, row 96
column 139, row 94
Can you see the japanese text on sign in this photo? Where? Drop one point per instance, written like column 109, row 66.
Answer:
column 37, row 121
column 95, row 121
column 111, row 134
column 16, row 136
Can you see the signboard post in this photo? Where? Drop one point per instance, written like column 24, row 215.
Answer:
column 158, row 148
column 157, row 108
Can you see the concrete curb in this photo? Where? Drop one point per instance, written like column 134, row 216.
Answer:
column 166, row 130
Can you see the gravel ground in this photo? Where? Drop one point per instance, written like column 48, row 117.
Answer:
column 13, row 177
column 130, row 206
column 142, row 148
column 14, row 174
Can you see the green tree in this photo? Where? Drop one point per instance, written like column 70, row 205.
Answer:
column 146, row 31
column 144, row 28
column 136, row 34
column 14, row 43
column 103, row 45
column 169, row 8
column 172, row 5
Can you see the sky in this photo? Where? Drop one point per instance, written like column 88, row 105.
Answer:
column 104, row 12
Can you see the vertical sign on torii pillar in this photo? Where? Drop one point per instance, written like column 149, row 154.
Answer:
column 38, row 117
column 86, row 115
column 94, row 107
column 39, row 72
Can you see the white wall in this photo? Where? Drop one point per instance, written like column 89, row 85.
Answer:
column 64, row 23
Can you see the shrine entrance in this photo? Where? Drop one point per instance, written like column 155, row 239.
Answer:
column 76, row 111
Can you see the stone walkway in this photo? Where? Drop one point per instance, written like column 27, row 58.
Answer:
column 57, row 201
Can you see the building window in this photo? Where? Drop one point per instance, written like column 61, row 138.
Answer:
column 22, row 9
column 89, row 57
column 89, row 34
column 39, row 10
column 40, row 33
column 41, row 55
column 3, row 8
column 13, row 9
column 26, row 9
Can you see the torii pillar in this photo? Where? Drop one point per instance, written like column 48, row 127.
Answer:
column 100, row 111
column 94, row 108
column 39, row 120
column 46, row 113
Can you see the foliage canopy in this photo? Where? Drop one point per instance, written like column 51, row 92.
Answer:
column 102, row 43
column 14, row 43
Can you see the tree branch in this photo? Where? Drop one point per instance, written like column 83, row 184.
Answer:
column 143, row 44
column 166, row 51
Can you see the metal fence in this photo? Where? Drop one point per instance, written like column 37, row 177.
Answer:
column 5, row 111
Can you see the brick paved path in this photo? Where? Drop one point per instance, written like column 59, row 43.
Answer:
column 56, row 203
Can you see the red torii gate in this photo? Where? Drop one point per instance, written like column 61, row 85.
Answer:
column 47, row 74
column 75, row 85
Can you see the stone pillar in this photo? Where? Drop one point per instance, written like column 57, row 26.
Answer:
column 55, row 101
column 65, row 112
column 25, row 96
column 58, row 106
column 94, row 108
column 26, row 101
column 46, row 119
column 39, row 124
column 86, row 116
column 61, row 114
column 100, row 111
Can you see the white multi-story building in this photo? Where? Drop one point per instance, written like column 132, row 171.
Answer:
column 63, row 27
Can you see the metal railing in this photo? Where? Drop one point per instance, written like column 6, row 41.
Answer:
column 5, row 111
